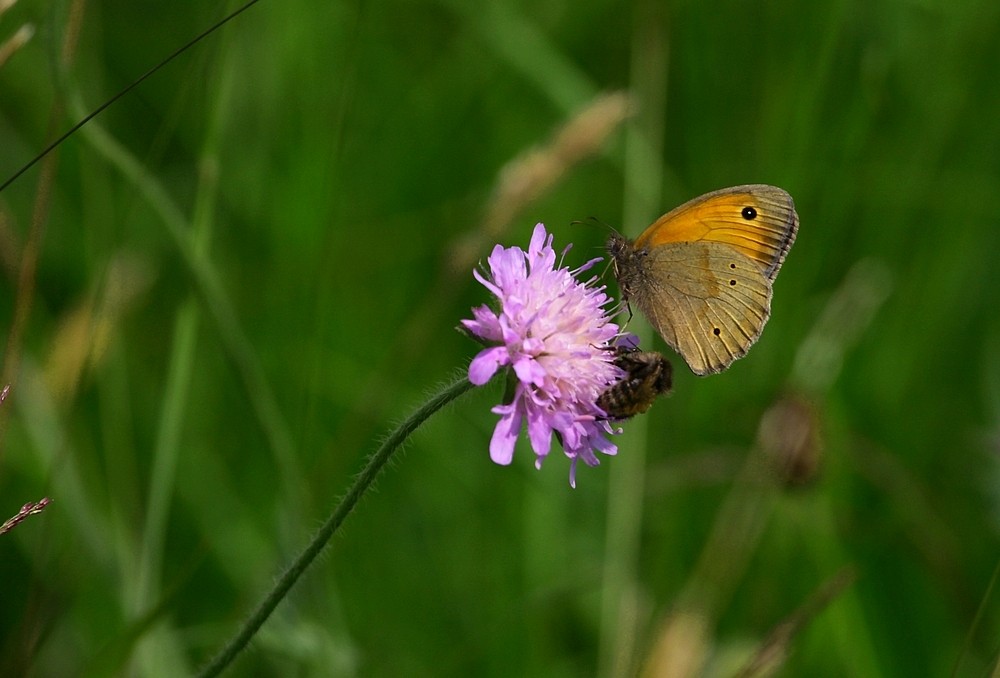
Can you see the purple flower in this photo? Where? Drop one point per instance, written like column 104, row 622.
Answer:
column 554, row 332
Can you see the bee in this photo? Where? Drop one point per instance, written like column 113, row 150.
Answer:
column 648, row 375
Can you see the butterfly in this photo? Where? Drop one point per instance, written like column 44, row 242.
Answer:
column 702, row 273
column 648, row 375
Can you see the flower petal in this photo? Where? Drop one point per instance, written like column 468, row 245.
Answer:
column 529, row 371
column 485, row 365
column 504, row 437
column 540, row 434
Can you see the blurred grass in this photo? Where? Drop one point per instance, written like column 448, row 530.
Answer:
column 243, row 281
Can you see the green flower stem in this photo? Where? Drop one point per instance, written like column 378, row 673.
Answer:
column 376, row 462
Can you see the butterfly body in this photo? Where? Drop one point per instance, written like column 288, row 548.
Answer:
column 702, row 273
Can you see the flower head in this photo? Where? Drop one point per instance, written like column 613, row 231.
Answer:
column 554, row 332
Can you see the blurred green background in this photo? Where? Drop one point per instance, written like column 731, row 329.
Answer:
column 251, row 267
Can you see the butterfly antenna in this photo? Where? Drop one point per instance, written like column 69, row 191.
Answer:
column 100, row 109
column 594, row 221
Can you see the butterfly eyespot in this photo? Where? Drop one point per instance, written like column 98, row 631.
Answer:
column 732, row 266
column 716, row 331
column 733, row 283
column 749, row 213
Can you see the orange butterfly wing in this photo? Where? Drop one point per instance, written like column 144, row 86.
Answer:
column 757, row 220
column 702, row 273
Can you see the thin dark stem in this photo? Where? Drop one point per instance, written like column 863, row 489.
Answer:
column 376, row 462
column 135, row 83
